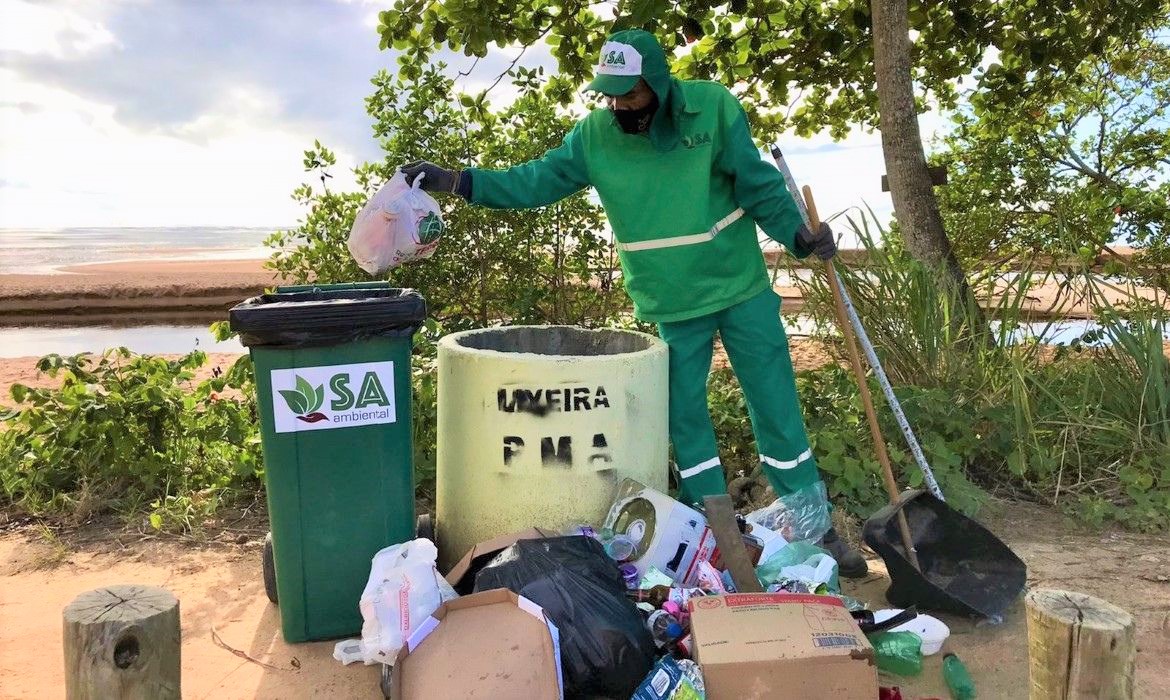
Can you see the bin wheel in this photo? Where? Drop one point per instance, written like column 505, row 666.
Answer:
column 425, row 527
column 387, row 670
column 269, row 569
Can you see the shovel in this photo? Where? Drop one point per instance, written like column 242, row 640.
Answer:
column 937, row 558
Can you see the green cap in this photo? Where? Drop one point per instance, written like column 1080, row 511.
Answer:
column 627, row 56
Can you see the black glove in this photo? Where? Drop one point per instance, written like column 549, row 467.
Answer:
column 436, row 179
column 822, row 243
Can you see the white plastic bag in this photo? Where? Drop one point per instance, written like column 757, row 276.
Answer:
column 399, row 224
column 403, row 590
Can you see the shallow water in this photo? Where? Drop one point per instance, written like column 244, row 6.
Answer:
column 23, row 341
column 31, row 251
column 68, row 340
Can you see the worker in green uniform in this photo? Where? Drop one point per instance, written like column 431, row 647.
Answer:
column 684, row 188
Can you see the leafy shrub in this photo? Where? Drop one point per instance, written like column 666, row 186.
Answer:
column 129, row 432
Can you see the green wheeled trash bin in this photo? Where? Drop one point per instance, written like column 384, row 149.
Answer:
column 333, row 389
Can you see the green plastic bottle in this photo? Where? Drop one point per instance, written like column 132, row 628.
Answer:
column 958, row 680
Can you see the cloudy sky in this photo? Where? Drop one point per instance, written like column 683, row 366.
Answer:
column 196, row 112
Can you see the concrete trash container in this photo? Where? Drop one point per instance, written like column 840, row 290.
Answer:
column 539, row 424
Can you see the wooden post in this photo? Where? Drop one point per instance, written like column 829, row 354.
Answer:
column 1079, row 647
column 122, row 642
column 875, row 430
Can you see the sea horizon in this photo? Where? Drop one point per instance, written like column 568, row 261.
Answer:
column 45, row 250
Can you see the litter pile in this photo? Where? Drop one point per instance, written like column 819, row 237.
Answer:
column 642, row 606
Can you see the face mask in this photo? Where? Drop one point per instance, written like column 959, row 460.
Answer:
column 636, row 121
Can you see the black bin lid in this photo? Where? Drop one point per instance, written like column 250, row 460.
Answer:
column 327, row 314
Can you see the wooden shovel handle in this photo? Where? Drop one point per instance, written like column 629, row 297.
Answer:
column 875, row 431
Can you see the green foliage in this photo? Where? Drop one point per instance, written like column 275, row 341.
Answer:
column 1069, row 169
column 424, row 376
column 550, row 265
column 773, row 51
column 840, row 439
column 122, row 431
column 1081, row 427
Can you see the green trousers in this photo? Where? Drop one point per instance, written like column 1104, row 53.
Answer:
column 758, row 349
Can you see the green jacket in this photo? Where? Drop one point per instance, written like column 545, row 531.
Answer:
column 696, row 166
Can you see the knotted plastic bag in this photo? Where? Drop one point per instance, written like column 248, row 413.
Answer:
column 403, row 590
column 400, row 223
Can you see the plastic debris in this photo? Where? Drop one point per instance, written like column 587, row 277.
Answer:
column 899, row 653
column 348, row 651
column 802, row 562
column 404, row 588
column 400, row 223
column 801, row 516
column 653, row 577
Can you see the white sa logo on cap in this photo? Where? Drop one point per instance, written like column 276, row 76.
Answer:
column 619, row 59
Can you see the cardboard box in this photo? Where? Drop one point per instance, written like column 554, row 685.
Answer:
column 483, row 552
column 494, row 644
column 667, row 535
column 777, row 645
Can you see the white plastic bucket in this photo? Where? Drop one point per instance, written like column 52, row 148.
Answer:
column 932, row 630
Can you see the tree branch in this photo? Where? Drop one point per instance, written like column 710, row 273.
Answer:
column 464, row 74
column 508, row 69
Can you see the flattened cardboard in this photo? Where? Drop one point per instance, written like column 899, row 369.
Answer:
column 481, row 553
column 773, row 645
column 494, row 644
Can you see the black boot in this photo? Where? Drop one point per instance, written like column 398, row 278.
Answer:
column 850, row 563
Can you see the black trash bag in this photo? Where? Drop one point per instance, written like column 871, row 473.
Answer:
column 606, row 649
column 329, row 314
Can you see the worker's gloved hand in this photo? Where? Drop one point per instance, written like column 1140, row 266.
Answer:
column 436, row 179
column 822, row 243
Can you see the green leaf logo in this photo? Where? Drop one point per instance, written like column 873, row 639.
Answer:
column 430, row 228
column 305, row 400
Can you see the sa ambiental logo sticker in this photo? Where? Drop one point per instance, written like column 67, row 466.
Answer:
column 333, row 396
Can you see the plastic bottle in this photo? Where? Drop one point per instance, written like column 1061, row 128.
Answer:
column 958, row 680
column 663, row 628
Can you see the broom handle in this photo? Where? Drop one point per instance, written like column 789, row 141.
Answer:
column 875, row 431
column 867, row 346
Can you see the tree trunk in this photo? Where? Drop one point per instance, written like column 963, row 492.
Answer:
column 1079, row 647
column 122, row 642
column 910, row 185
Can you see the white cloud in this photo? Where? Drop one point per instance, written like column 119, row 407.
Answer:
column 196, row 114
column 54, row 30
column 68, row 162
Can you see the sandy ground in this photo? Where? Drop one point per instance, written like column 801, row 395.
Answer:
column 131, row 288
column 219, row 588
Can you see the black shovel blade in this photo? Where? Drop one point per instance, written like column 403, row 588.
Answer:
column 965, row 569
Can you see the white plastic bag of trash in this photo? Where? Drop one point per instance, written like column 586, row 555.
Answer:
column 400, row 223
column 403, row 590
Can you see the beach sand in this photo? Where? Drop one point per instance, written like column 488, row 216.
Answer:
column 197, row 292
column 129, row 289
